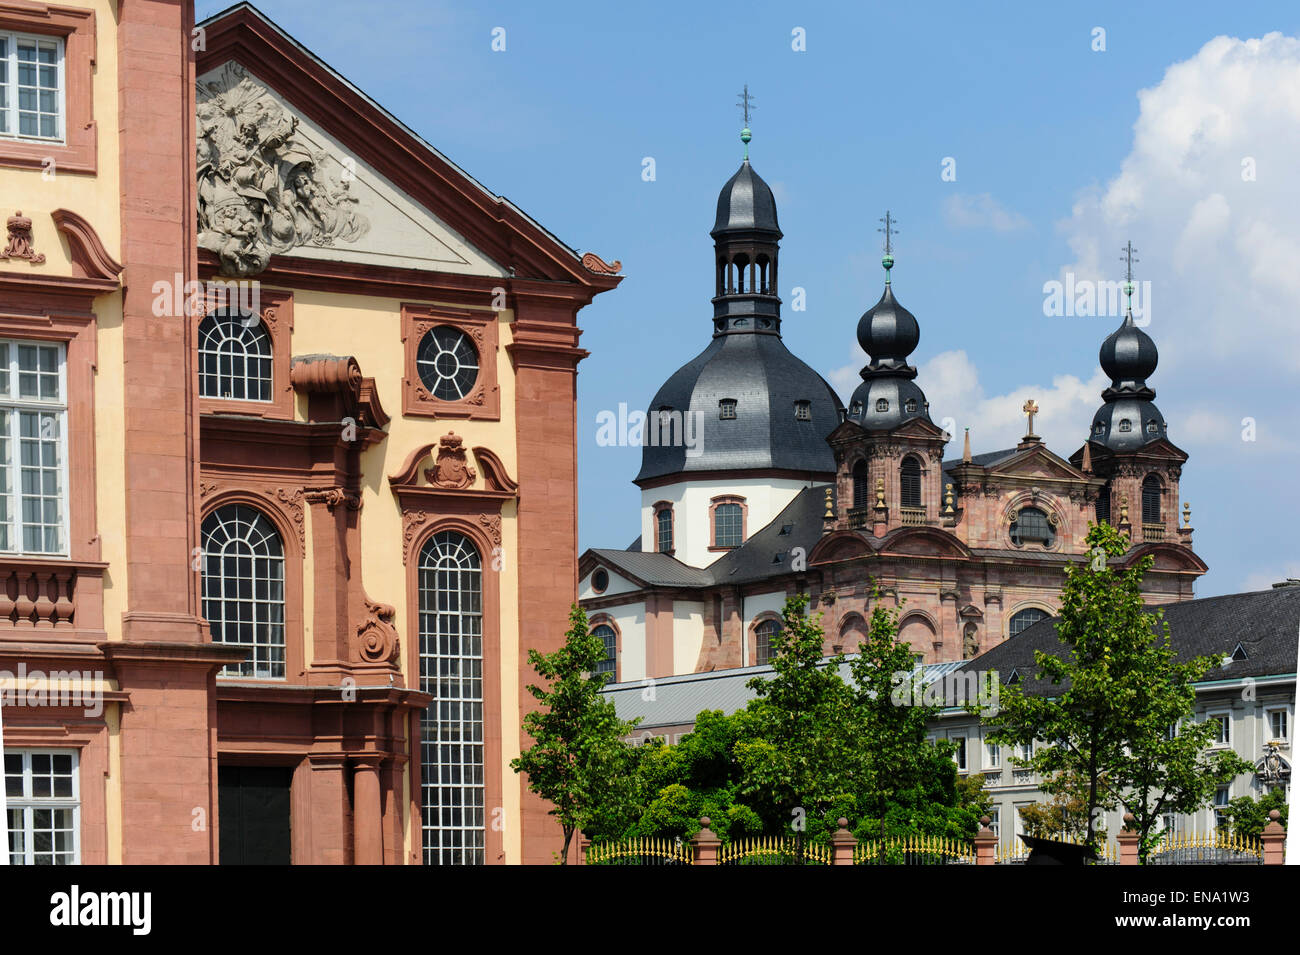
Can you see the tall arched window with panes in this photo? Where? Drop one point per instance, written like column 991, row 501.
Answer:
column 1151, row 490
column 234, row 357
column 608, row 667
column 451, row 669
column 243, row 589
column 763, row 634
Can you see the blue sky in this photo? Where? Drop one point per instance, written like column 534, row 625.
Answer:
column 1059, row 161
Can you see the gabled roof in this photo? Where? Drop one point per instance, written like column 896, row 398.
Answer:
column 756, row 558
column 1264, row 623
column 646, row 569
column 492, row 223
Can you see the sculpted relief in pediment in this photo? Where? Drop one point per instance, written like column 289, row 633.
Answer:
column 262, row 188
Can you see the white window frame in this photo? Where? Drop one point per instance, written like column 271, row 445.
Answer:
column 995, row 821
column 961, row 752
column 1226, row 716
column 11, row 118
column 13, row 406
column 1221, row 807
column 27, row 803
column 992, row 755
column 1269, row 713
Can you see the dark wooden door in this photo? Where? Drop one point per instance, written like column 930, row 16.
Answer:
column 254, row 806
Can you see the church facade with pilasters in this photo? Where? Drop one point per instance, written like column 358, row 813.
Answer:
column 790, row 491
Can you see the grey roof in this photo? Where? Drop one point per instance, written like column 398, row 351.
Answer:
column 746, row 204
column 678, row 699
column 757, row 557
column 985, row 460
column 653, row 569
column 1265, row 623
column 765, row 380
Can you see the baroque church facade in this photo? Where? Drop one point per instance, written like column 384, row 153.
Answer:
column 785, row 490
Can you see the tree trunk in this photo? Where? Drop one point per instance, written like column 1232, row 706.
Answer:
column 568, row 837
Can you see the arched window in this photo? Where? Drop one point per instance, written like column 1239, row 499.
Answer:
column 243, row 588
column 664, row 529
column 882, row 404
column 763, row 634
column 234, row 357
column 451, row 669
column 1103, row 506
column 909, row 480
column 1151, row 489
column 1026, row 619
column 609, row 665
column 728, row 524
column 447, row 362
column 1031, row 526
column 861, row 485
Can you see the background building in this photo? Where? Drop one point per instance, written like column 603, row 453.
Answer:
column 756, row 483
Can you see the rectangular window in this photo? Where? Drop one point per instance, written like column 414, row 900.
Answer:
column 728, row 530
column 31, row 87
column 1222, row 728
column 1278, row 725
column 33, row 448
column 664, row 520
column 1221, row 796
column 992, row 756
column 959, row 755
column 43, row 799
column 995, row 821
column 1025, row 751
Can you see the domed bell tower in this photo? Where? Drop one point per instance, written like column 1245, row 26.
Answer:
column 746, row 247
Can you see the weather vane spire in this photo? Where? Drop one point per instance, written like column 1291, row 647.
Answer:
column 746, row 103
column 890, row 231
column 1128, row 258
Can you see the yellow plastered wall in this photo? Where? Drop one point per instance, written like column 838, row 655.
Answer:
column 370, row 330
column 96, row 198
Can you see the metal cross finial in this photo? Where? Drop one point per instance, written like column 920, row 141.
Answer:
column 889, row 231
column 746, row 103
column 1128, row 259
column 1030, row 408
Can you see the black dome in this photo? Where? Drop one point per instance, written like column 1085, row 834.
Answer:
column 1126, row 424
column 1128, row 355
column 883, row 402
column 746, row 204
column 766, row 381
column 888, row 332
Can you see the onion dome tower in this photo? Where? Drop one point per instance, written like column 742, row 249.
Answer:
column 1128, row 419
column 888, row 333
column 759, row 406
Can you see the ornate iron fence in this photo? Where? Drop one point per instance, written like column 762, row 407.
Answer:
column 914, row 850
column 1216, row 848
column 643, row 850
column 773, row 850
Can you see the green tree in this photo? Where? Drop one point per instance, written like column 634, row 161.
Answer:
column 1249, row 816
column 1117, row 690
column 578, row 761
column 792, row 746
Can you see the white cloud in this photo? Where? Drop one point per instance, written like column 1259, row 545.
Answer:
column 951, row 384
column 1220, row 251
column 981, row 212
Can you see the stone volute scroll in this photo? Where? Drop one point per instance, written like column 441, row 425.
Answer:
column 376, row 637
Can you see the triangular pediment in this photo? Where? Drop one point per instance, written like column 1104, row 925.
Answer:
column 273, row 182
column 1038, row 462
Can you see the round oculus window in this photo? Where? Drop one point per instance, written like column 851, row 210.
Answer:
column 447, row 362
column 600, row 580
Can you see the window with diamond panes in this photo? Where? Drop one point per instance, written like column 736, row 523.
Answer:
column 33, row 448
column 234, row 358
column 243, row 589
column 42, row 799
column 727, row 525
column 451, row 669
column 31, row 87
